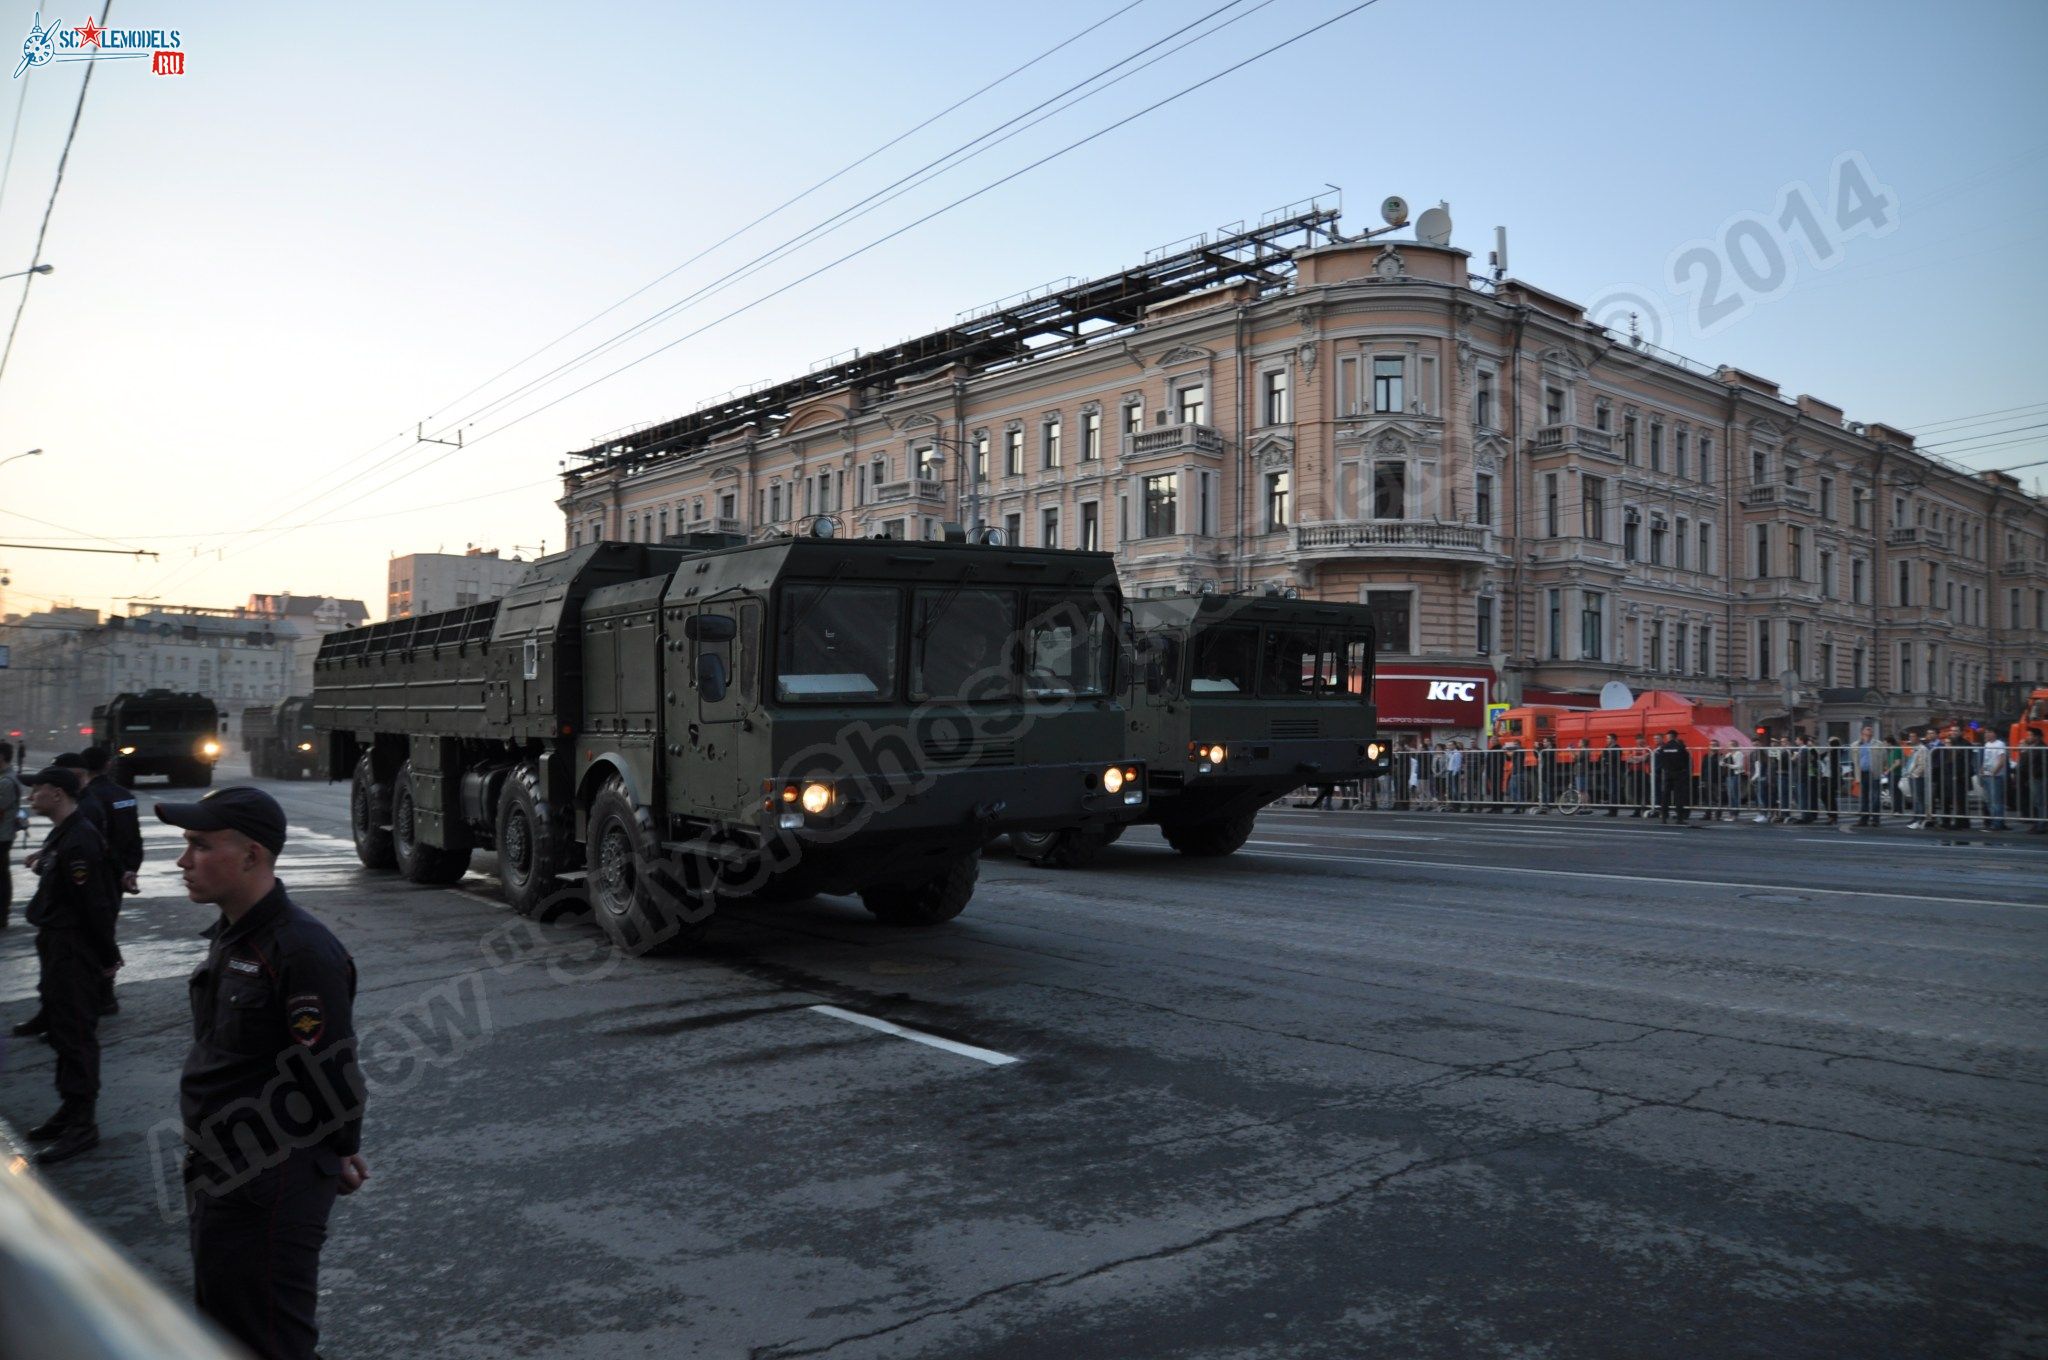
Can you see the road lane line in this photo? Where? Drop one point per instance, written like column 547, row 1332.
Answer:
column 986, row 1055
column 1647, row 878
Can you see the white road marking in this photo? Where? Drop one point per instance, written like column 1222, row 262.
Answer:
column 1647, row 878
column 986, row 1055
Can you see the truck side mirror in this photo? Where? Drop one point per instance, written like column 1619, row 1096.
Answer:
column 711, row 675
column 710, row 628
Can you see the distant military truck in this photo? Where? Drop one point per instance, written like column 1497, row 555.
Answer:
column 158, row 732
column 1234, row 702
column 662, row 729
column 280, row 739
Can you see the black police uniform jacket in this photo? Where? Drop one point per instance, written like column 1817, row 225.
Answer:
column 272, row 1020
column 77, row 890
column 118, row 821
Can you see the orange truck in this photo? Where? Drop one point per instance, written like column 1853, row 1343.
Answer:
column 2033, row 719
column 1645, row 721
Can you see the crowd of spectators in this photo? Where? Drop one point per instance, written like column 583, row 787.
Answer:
column 1942, row 778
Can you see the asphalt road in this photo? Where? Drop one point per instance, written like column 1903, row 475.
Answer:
column 1379, row 1085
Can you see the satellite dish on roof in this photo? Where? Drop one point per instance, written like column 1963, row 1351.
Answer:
column 1433, row 228
column 1394, row 210
column 1615, row 694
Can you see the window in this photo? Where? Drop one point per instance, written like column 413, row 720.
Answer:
column 1679, row 461
column 1678, row 649
column 1550, row 505
column 1827, row 575
column 2013, row 607
column 981, row 456
column 1859, row 508
column 1389, row 490
column 1049, row 444
column 1706, row 461
column 1162, row 511
column 1049, row 528
column 1859, row 668
column 1827, row 663
column 1795, row 647
column 1013, row 453
column 1592, row 624
column 1482, row 636
column 1556, row 601
column 1386, row 384
column 1134, row 419
column 1091, row 526
column 1091, row 437
column 1482, row 499
column 1905, row 668
column 962, row 645
column 1193, row 404
column 1482, row 401
column 1678, row 540
column 1660, row 537
column 1905, row 586
column 837, row 643
column 1656, row 657
column 1603, row 415
column 1392, row 619
column 1013, row 529
column 1827, row 498
column 1656, row 446
column 1276, row 501
column 1761, row 564
column 1759, row 467
column 1855, row 580
column 1553, row 406
column 1347, row 385
column 664, row 521
column 1593, row 506
column 1631, row 534
column 1628, row 440
column 1796, row 551
column 1763, row 649
column 1274, row 398
column 1706, row 652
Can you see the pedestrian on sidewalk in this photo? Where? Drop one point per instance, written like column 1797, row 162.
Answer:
column 2031, row 774
column 1610, row 776
column 1992, row 775
column 1674, row 774
column 1917, row 767
column 1734, row 765
column 123, row 831
column 1866, row 764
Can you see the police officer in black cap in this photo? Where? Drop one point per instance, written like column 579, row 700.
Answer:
column 271, row 1097
column 73, row 913
column 123, row 830
column 92, row 810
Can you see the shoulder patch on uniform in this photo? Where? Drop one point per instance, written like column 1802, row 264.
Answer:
column 125, row 803
column 80, row 871
column 303, row 1018
column 249, row 966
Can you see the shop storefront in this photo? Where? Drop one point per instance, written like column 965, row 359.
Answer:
column 1444, row 701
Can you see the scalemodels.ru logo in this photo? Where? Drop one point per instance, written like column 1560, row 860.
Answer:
column 163, row 47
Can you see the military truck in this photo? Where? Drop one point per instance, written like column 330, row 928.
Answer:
column 160, row 732
column 659, row 729
column 1234, row 701
column 280, row 739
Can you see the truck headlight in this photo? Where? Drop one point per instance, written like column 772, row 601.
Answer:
column 209, row 748
column 305, row 746
column 1215, row 754
column 817, row 798
column 127, row 750
column 1372, row 750
column 1113, row 779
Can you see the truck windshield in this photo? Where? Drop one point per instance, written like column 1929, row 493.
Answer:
column 837, row 644
column 963, row 645
column 1224, row 661
column 1067, row 643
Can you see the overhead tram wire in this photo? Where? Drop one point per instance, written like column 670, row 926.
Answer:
column 1049, row 157
column 1979, row 418
column 799, row 197
column 14, row 134
column 924, row 174
column 440, row 433
column 43, row 231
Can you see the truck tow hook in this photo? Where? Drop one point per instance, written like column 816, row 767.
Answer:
column 985, row 814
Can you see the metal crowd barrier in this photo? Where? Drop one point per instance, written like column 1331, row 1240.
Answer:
column 65, row 1294
column 1940, row 788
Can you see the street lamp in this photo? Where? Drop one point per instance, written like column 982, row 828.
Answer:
column 39, row 269
column 32, row 453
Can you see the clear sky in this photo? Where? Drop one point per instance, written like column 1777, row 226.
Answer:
column 341, row 220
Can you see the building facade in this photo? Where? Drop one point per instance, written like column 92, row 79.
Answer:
column 424, row 583
column 1532, row 505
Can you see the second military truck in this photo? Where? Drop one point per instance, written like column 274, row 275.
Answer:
column 659, row 729
column 281, row 740
column 160, row 732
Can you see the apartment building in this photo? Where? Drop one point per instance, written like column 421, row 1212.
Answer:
column 1532, row 505
column 426, row 583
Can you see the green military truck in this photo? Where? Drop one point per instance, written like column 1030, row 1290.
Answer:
column 659, row 729
column 1235, row 701
column 280, row 739
column 160, row 732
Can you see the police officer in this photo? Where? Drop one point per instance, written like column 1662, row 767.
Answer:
column 123, row 830
column 73, row 913
column 1674, row 772
column 271, row 1097
column 90, row 810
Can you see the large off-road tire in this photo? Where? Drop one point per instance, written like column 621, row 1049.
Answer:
column 1072, row 848
column 637, row 896
column 1211, row 840
column 929, row 901
column 533, row 849
column 433, row 865
column 369, row 818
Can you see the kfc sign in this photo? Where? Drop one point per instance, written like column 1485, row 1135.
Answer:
column 1443, row 697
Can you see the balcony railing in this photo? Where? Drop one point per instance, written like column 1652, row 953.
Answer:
column 2024, row 566
column 1392, row 538
column 714, row 526
column 1783, row 588
column 1773, row 495
column 1915, row 536
column 915, row 489
column 1557, row 438
column 1172, row 439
